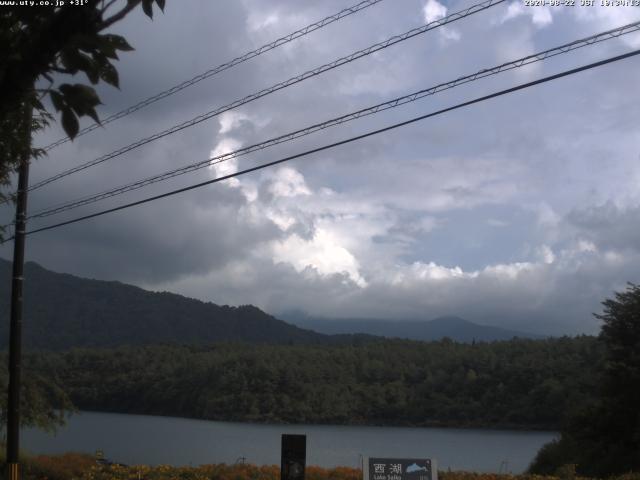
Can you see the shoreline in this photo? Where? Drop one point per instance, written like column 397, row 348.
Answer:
column 269, row 422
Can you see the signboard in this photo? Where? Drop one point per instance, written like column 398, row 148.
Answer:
column 293, row 457
column 401, row 469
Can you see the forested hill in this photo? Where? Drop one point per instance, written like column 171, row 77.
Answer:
column 63, row 311
column 513, row 384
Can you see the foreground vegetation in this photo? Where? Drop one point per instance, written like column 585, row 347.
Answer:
column 72, row 466
column 603, row 437
column 530, row 384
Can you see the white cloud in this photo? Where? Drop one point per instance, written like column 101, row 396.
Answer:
column 450, row 34
column 508, row 271
column 540, row 16
column 614, row 258
column 228, row 166
column 433, row 10
column 546, row 254
column 431, row 271
column 281, row 219
column 261, row 21
column 288, row 182
column 608, row 17
column 230, row 121
column 547, row 216
column 323, row 253
column 494, row 222
column 421, row 226
column 586, row 246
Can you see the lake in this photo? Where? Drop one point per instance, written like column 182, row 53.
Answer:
column 140, row 439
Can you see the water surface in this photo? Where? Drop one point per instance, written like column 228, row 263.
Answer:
column 140, row 439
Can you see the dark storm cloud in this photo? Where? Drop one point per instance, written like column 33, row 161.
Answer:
column 502, row 213
column 608, row 226
column 156, row 242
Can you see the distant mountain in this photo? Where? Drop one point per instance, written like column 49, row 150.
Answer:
column 62, row 311
column 455, row 328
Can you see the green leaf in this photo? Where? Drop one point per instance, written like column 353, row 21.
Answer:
column 70, row 123
column 106, row 47
column 85, row 42
column 78, row 93
column 37, row 104
column 58, row 100
column 38, row 152
column 66, row 89
column 82, row 99
column 93, row 114
column 89, row 95
column 118, row 42
column 147, row 7
column 68, row 61
column 75, row 61
column 100, row 58
column 109, row 74
column 93, row 75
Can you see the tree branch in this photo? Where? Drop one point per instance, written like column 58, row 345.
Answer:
column 66, row 71
column 120, row 15
column 107, row 6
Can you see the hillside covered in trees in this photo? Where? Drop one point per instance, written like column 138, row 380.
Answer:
column 529, row 384
column 63, row 311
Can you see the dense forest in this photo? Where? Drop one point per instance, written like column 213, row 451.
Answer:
column 515, row 384
column 63, row 311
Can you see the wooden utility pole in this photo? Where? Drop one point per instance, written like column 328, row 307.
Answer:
column 15, row 333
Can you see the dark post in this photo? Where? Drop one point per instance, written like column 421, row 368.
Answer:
column 293, row 457
column 13, row 407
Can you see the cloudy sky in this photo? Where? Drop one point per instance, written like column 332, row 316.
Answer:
column 521, row 211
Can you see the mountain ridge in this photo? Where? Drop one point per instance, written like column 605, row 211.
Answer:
column 453, row 327
column 62, row 311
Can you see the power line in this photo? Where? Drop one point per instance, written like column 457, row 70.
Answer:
column 396, row 102
column 342, row 142
column 279, row 86
column 222, row 67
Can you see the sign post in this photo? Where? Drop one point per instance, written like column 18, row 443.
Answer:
column 293, row 457
column 400, row 469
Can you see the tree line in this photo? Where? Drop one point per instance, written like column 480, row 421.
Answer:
column 531, row 384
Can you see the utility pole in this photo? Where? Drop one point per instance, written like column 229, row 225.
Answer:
column 15, row 334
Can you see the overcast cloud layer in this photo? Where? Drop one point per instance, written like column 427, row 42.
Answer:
column 521, row 212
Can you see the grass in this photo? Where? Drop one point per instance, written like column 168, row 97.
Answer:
column 77, row 466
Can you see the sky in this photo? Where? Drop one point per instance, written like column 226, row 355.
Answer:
column 520, row 212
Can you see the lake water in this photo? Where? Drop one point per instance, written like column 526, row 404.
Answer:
column 139, row 439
